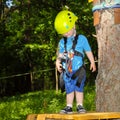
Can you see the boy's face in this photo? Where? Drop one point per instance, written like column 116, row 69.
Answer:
column 70, row 33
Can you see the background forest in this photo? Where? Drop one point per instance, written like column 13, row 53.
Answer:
column 28, row 43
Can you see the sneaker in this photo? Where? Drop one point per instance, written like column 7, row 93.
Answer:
column 80, row 109
column 66, row 110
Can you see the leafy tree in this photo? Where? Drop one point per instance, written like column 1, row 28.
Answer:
column 28, row 41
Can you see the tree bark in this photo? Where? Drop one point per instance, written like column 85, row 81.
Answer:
column 108, row 78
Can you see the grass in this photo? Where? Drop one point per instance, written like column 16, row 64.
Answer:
column 19, row 106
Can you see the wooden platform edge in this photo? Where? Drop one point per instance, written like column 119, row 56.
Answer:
column 32, row 117
column 75, row 116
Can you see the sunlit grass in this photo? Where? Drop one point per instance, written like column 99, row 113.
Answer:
column 18, row 107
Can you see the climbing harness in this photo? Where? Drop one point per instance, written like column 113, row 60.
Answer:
column 66, row 61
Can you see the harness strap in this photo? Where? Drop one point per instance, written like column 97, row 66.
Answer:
column 75, row 42
column 65, row 42
column 79, row 74
column 77, row 53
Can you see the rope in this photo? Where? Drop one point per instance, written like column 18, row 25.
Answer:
column 103, row 6
column 18, row 75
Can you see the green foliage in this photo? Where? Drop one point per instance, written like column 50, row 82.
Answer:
column 28, row 40
column 18, row 107
column 89, row 97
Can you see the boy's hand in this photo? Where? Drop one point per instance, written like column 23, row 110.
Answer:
column 59, row 65
column 93, row 67
column 91, row 59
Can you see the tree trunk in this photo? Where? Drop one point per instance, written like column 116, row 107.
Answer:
column 107, row 24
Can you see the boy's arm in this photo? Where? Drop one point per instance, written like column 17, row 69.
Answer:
column 91, row 59
column 58, row 63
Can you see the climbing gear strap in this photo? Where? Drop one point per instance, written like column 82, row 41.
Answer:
column 77, row 53
column 80, row 73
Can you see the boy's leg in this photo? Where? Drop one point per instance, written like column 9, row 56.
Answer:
column 69, row 101
column 79, row 100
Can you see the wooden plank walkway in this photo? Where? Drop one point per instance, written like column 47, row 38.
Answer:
column 75, row 116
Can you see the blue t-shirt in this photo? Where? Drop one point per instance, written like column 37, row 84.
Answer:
column 81, row 46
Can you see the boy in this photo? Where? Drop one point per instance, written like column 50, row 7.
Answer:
column 69, row 60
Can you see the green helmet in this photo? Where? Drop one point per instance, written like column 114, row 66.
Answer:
column 64, row 21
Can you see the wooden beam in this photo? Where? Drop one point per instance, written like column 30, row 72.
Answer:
column 75, row 116
column 32, row 117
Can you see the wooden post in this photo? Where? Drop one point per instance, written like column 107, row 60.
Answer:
column 56, row 80
column 32, row 117
column 107, row 25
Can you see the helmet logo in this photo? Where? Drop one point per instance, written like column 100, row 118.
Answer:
column 67, row 27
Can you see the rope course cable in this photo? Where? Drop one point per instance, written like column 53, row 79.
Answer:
column 18, row 75
column 106, row 5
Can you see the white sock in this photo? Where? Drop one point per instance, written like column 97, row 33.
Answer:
column 70, row 105
column 80, row 104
